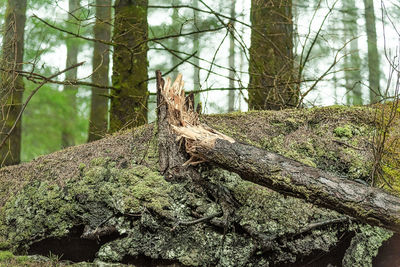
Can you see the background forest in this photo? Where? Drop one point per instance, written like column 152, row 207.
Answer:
column 238, row 54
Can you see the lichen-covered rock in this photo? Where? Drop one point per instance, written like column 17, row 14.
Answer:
column 45, row 210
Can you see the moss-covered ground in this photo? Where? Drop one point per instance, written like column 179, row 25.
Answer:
column 114, row 184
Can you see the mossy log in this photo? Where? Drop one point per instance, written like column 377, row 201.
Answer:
column 106, row 201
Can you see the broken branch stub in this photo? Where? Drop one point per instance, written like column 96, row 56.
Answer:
column 287, row 176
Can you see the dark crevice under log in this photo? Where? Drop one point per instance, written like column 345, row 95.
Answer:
column 73, row 247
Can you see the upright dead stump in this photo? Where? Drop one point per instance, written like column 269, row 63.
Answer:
column 172, row 154
column 176, row 111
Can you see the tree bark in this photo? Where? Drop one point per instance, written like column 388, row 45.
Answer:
column 352, row 60
column 281, row 174
column 12, row 85
column 176, row 27
column 101, row 60
column 172, row 155
column 271, row 56
column 129, row 102
column 231, row 94
column 70, row 91
column 373, row 56
column 196, row 47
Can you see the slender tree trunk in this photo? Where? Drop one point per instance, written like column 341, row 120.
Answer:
column 12, row 85
column 175, row 41
column 271, row 55
column 353, row 60
column 373, row 56
column 335, row 86
column 231, row 94
column 69, row 125
column 101, row 61
column 129, row 103
column 242, row 69
column 196, row 47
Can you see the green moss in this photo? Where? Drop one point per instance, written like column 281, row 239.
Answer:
column 99, row 161
column 309, row 136
column 5, row 255
column 345, row 131
column 8, row 259
column 135, row 196
column 81, row 166
column 51, row 211
column 275, row 216
column 5, row 245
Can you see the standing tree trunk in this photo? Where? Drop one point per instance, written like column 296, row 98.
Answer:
column 70, row 91
column 129, row 102
column 175, row 41
column 101, row 61
column 196, row 47
column 352, row 60
column 231, row 94
column 12, row 85
column 373, row 56
column 271, row 56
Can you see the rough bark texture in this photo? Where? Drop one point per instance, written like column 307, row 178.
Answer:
column 56, row 202
column 12, row 85
column 172, row 154
column 70, row 91
column 129, row 102
column 373, row 56
column 271, row 56
column 98, row 120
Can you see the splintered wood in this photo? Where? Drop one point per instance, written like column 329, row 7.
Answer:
column 184, row 120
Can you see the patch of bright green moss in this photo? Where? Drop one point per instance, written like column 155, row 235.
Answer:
column 345, row 131
column 5, row 255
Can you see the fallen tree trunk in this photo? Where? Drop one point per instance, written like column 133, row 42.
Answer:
column 290, row 177
column 368, row 204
